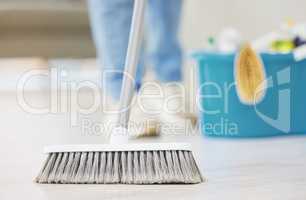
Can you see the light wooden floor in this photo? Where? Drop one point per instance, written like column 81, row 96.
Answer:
column 268, row 168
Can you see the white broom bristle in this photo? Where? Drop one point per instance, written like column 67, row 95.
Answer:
column 125, row 167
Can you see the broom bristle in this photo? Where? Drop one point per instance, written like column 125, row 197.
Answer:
column 126, row 167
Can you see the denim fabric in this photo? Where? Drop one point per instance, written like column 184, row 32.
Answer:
column 110, row 23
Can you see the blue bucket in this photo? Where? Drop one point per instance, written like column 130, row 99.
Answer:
column 281, row 112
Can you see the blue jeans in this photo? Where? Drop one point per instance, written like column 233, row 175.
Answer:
column 110, row 23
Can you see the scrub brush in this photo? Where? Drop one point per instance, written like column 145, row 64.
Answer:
column 119, row 161
column 250, row 76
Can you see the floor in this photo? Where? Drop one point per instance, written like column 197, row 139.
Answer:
column 268, row 168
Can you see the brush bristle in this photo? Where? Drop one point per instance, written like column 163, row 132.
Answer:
column 250, row 76
column 126, row 167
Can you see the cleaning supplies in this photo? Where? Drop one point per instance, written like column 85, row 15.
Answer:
column 279, row 40
column 286, row 39
column 211, row 44
column 299, row 41
column 249, row 76
column 229, row 40
column 283, row 46
column 119, row 161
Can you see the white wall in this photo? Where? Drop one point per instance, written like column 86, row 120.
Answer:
column 202, row 18
column 63, row 31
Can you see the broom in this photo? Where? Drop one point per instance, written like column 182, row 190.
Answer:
column 120, row 162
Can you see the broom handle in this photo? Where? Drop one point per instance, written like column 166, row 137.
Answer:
column 131, row 61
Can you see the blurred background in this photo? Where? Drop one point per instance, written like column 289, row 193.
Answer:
column 60, row 28
column 44, row 33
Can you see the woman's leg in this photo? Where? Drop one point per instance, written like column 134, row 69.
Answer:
column 164, row 50
column 110, row 23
